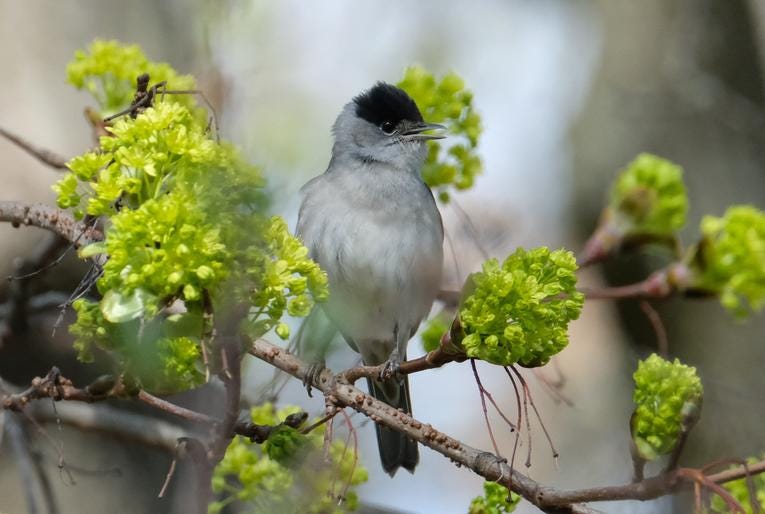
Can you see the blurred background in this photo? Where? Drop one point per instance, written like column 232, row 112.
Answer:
column 569, row 92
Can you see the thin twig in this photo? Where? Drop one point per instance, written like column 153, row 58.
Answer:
column 168, row 478
column 483, row 407
column 555, row 453
column 662, row 342
column 41, row 154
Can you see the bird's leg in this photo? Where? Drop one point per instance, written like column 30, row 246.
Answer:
column 313, row 373
column 392, row 367
column 312, row 344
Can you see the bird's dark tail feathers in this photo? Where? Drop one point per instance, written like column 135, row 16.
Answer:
column 396, row 449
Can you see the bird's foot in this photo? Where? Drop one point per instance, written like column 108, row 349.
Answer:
column 392, row 368
column 313, row 374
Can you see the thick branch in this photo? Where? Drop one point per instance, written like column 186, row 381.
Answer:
column 49, row 218
column 485, row 464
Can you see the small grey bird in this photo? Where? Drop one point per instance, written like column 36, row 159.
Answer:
column 373, row 226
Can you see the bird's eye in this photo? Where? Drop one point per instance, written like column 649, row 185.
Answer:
column 387, row 127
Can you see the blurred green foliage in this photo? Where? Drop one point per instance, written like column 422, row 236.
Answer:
column 289, row 472
column 108, row 71
column 649, row 199
column 519, row 311
column 447, row 102
column 497, row 499
column 730, row 259
column 434, row 330
column 667, row 398
column 742, row 490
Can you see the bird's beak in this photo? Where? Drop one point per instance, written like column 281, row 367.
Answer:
column 415, row 132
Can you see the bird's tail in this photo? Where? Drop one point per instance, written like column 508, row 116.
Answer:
column 396, row 449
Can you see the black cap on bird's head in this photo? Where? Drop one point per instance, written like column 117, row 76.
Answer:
column 392, row 110
column 384, row 102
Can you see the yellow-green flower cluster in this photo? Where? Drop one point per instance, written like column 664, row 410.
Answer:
column 288, row 473
column 185, row 224
column 730, row 259
column 108, row 71
column 649, row 199
column 157, row 353
column 667, row 396
column 497, row 499
column 447, row 102
column 740, row 490
column 519, row 312
column 434, row 330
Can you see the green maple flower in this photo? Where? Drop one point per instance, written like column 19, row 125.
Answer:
column 649, row 198
column 497, row 499
column 519, row 312
column 108, row 71
column 448, row 102
column 269, row 477
column 667, row 399
column 730, row 259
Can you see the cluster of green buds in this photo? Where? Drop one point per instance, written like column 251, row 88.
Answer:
column 667, row 398
column 648, row 202
column 519, row 311
column 449, row 103
column 729, row 260
column 497, row 499
column 288, row 473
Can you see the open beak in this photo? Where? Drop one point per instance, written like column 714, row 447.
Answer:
column 416, row 132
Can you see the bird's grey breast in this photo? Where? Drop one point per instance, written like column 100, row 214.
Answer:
column 377, row 233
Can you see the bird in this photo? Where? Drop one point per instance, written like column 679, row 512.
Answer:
column 373, row 226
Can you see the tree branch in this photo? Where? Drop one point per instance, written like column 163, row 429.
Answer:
column 338, row 391
column 41, row 154
column 49, row 218
column 59, row 388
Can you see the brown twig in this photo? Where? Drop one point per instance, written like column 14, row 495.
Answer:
column 527, row 392
column 662, row 342
column 175, row 410
column 481, row 393
column 55, row 386
column 655, row 286
column 58, row 388
column 445, row 354
column 41, row 154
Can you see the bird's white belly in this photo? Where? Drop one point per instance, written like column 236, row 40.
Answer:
column 383, row 271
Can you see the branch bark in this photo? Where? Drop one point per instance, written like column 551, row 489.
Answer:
column 49, row 218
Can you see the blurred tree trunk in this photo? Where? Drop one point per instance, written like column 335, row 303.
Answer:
column 683, row 79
